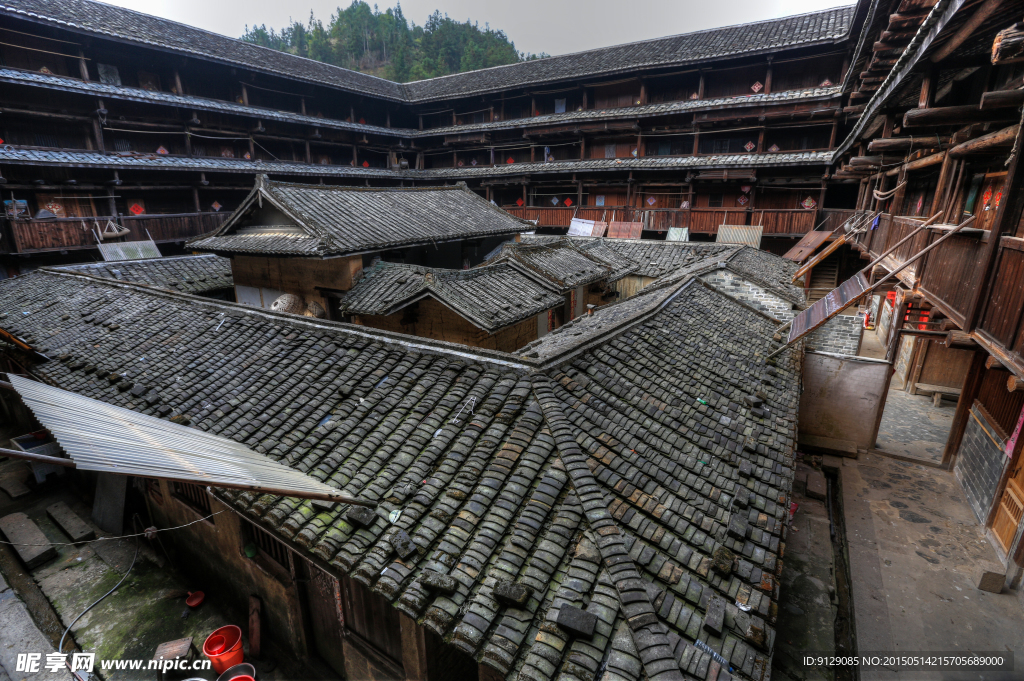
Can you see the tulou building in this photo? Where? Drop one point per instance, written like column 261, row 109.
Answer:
column 513, row 374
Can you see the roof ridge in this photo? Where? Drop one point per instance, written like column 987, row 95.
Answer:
column 639, row 42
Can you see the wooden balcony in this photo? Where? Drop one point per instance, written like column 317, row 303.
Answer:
column 951, row 274
column 68, row 234
column 698, row 220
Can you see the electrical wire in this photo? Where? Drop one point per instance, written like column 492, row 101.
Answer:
column 60, row 648
column 126, row 536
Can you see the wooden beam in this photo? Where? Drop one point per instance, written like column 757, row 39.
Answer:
column 866, row 161
column 898, row 21
column 1014, row 383
column 1008, row 46
column 992, row 362
column 920, row 163
column 986, row 143
column 1001, row 99
column 928, row 85
column 960, row 341
column 954, row 115
column 909, row 143
column 979, row 17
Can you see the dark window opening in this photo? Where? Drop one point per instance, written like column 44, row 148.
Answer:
column 716, row 200
column 194, row 496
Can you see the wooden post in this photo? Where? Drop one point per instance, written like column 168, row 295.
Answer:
column 421, row 121
column 387, row 118
column 533, row 107
column 525, row 200
column 940, row 187
column 188, row 142
column 97, row 129
column 302, row 105
column 351, row 113
column 533, row 150
column 177, row 83
column 897, row 199
column 893, row 344
column 492, row 156
column 414, row 649
column 583, row 148
column 245, row 95
column 579, row 193
column 696, row 143
column 255, row 607
column 490, row 114
column 928, row 82
column 643, row 93
column 455, row 119
column 584, row 99
column 83, row 68
column 969, row 393
column 1007, row 215
column 760, row 140
column 309, row 155
column 768, row 79
column 355, row 155
column 455, row 159
column 700, row 88
column 835, row 131
column 252, row 148
column 195, row 199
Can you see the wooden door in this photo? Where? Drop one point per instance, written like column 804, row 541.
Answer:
column 1011, row 507
column 323, row 594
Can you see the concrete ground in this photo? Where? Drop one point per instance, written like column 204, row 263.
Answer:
column 913, row 427
column 914, row 547
column 807, row 609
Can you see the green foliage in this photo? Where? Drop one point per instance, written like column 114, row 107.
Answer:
column 386, row 44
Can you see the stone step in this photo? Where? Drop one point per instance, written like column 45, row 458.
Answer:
column 29, row 541
column 14, row 487
column 816, row 487
column 67, row 520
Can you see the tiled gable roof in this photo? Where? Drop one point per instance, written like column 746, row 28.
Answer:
column 121, row 24
column 634, row 480
column 557, row 261
column 689, row 48
column 761, row 37
column 491, row 297
column 345, row 220
column 187, row 273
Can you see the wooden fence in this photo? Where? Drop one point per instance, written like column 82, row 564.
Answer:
column 37, row 236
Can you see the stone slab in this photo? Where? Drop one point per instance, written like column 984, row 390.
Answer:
column 31, row 544
column 68, row 520
column 816, row 487
column 15, row 488
column 990, row 578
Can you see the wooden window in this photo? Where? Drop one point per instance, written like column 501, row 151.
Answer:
column 716, row 200
column 371, row 619
column 271, row 547
column 194, row 496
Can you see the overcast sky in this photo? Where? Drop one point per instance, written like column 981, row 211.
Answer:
column 552, row 26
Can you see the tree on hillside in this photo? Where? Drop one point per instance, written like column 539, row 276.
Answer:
column 387, row 44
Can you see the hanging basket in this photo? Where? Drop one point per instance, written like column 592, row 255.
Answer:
column 112, row 230
column 289, row 303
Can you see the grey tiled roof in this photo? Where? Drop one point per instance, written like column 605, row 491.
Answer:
column 186, row 273
column 127, row 25
column 650, row 258
column 491, row 297
column 93, row 159
column 689, row 48
column 120, row 92
column 770, row 271
column 762, row 37
column 67, row 84
column 645, row 111
column 340, row 220
column 607, row 482
column 559, row 262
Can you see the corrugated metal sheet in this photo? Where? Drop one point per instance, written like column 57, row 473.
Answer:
column 625, row 230
column 678, row 234
column 806, row 246
column 828, row 307
column 129, row 250
column 740, row 234
column 101, row 437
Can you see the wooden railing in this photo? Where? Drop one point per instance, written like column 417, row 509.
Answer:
column 699, row 220
column 36, row 236
column 831, row 219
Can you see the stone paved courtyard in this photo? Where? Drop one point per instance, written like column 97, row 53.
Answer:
column 912, row 427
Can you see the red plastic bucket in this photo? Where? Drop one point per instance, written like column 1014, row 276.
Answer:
column 224, row 648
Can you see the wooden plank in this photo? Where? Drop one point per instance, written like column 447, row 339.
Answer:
column 828, row 307
column 806, row 246
column 827, row 251
column 255, row 608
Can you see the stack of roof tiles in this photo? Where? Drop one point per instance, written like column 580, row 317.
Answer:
column 636, row 484
column 187, row 273
column 344, row 220
column 492, row 297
